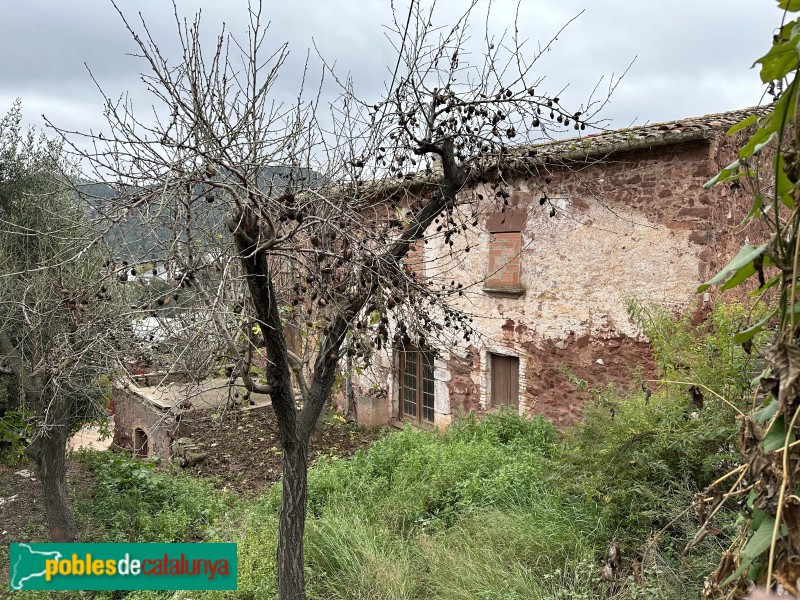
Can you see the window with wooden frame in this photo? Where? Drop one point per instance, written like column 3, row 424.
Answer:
column 416, row 385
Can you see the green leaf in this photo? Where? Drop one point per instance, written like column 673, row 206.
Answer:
column 741, row 337
column 761, row 135
column 723, row 175
column 758, row 518
column 739, row 276
column 744, row 258
column 755, row 210
column 782, row 58
column 737, row 573
column 768, row 284
column 755, row 569
column 790, row 5
column 766, row 412
column 776, row 120
column 744, row 123
column 761, row 539
column 726, row 175
column 776, row 438
column 761, row 145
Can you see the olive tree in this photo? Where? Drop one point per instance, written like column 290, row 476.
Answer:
column 55, row 320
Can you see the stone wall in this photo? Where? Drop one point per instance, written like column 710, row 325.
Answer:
column 630, row 224
column 132, row 412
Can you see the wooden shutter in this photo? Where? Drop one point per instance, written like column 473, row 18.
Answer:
column 505, row 380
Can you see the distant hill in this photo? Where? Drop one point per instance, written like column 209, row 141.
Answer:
column 143, row 235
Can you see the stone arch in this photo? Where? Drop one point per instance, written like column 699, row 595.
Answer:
column 141, row 442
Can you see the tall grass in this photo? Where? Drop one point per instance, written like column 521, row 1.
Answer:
column 502, row 508
column 496, row 509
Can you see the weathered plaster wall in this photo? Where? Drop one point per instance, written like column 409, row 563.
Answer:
column 622, row 227
column 634, row 224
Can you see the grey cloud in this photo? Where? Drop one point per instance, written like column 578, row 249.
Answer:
column 693, row 55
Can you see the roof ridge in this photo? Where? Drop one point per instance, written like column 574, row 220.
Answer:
column 708, row 123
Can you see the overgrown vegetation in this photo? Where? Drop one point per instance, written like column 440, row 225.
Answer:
column 56, row 316
column 766, row 486
column 499, row 508
column 133, row 502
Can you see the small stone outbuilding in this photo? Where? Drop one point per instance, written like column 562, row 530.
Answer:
column 148, row 411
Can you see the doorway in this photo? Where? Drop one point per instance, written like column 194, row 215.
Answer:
column 504, row 375
column 140, row 443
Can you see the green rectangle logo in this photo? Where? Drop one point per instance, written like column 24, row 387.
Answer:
column 123, row 566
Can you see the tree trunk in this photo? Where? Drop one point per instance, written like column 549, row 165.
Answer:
column 49, row 448
column 295, row 431
column 291, row 576
column 49, row 452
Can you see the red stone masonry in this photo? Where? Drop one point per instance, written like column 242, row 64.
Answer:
column 415, row 259
column 643, row 186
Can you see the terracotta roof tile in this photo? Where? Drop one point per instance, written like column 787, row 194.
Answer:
column 644, row 136
column 595, row 146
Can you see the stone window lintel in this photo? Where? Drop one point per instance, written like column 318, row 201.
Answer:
column 503, row 291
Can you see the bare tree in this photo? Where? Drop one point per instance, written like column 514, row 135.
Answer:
column 55, row 309
column 321, row 207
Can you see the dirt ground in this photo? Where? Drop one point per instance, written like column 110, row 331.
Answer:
column 21, row 507
column 243, row 450
column 20, row 503
column 22, row 510
column 92, row 437
column 243, row 456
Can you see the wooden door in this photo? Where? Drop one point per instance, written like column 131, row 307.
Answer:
column 505, row 380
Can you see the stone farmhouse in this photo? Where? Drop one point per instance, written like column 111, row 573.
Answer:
column 614, row 215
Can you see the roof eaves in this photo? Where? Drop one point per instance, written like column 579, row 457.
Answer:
column 590, row 149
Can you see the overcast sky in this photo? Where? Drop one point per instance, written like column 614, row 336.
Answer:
column 693, row 57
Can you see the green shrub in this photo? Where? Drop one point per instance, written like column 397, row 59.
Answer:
column 132, row 502
column 15, row 434
column 641, row 464
column 414, row 478
column 705, row 353
column 536, row 434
